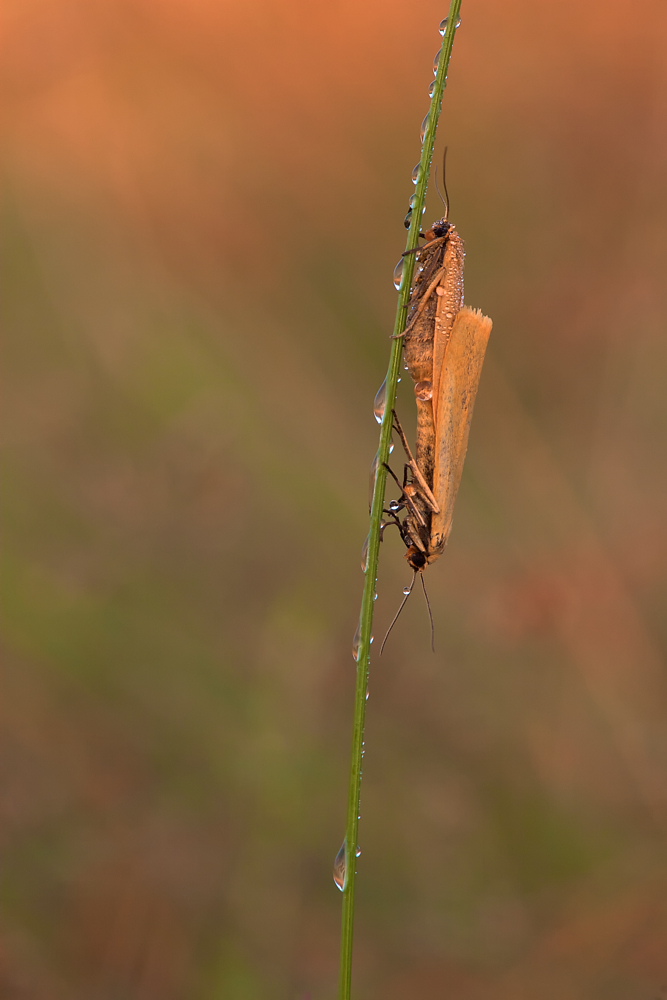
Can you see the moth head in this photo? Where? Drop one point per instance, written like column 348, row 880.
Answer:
column 416, row 558
column 438, row 229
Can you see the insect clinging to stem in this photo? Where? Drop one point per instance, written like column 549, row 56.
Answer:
column 444, row 347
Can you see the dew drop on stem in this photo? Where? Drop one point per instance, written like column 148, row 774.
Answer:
column 364, row 553
column 398, row 273
column 358, row 851
column 408, row 219
column 340, row 868
column 380, row 402
column 355, row 643
column 422, row 131
column 436, row 60
column 416, row 173
column 371, row 478
column 431, row 88
column 443, row 24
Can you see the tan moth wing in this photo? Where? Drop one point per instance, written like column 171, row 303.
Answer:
column 435, row 300
column 457, row 380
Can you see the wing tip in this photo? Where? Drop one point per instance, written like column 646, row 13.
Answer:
column 478, row 318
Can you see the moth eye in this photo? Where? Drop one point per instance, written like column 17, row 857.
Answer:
column 424, row 391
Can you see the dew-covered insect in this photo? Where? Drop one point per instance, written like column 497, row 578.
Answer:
column 444, row 347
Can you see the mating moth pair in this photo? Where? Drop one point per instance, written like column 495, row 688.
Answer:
column 444, row 347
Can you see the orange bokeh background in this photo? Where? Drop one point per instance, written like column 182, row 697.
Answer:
column 203, row 208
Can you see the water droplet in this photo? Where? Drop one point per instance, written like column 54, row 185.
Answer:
column 443, row 25
column 371, row 478
column 364, row 553
column 380, row 402
column 398, row 273
column 370, row 641
column 412, row 201
column 436, row 60
column 395, row 506
column 375, row 596
column 424, row 391
column 339, row 868
column 422, row 131
column 366, row 694
column 416, row 173
column 431, row 89
column 358, row 851
column 355, row 643
column 406, row 590
column 391, row 444
column 408, row 219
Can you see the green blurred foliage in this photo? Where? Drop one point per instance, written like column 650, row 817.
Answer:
column 203, row 208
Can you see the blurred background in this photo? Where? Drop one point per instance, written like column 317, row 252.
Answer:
column 203, row 208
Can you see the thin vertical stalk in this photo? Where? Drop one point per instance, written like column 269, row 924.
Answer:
column 366, row 615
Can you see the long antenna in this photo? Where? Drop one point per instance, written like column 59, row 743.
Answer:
column 403, row 603
column 445, row 199
column 428, row 605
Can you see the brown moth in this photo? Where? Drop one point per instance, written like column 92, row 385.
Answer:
column 436, row 297
column 429, row 498
column 445, row 343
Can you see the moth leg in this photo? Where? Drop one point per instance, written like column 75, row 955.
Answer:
column 422, row 303
column 415, row 539
column 424, row 246
column 406, row 501
column 416, row 471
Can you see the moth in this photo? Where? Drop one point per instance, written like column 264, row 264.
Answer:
column 444, row 347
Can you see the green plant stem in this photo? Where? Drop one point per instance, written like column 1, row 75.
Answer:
column 366, row 615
